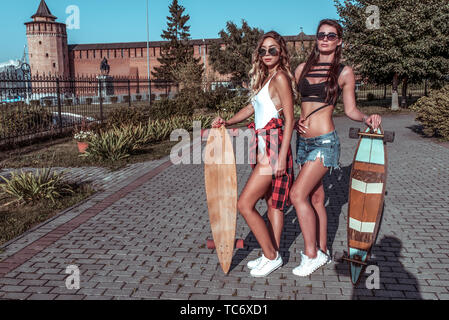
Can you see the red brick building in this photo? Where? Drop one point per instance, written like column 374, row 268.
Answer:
column 50, row 53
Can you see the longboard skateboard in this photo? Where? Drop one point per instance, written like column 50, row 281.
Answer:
column 221, row 190
column 366, row 196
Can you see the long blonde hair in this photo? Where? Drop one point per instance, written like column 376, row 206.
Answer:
column 259, row 71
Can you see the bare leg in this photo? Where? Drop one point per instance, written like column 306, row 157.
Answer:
column 317, row 199
column 256, row 188
column 309, row 176
column 275, row 221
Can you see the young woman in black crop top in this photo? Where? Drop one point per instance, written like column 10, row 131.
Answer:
column 320, row 81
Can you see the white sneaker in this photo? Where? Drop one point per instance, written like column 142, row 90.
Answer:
column 266, row 266
column 253, row 263
column 329, row 257
column 308, row 265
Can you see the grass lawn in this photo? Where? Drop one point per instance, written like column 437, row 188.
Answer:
column 64, row 153
column 16, row 219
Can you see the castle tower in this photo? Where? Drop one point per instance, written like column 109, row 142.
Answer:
column 47, row 44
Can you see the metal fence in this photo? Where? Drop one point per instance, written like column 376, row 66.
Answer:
column 41, row 106
column 45, row 106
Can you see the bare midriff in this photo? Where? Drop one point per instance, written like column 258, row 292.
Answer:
column 320, row 122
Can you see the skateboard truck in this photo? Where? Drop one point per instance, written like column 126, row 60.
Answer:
column 239, row 244
column 387, row 136
column 357, row 259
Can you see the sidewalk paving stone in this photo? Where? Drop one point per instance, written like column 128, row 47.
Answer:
column 144, row 238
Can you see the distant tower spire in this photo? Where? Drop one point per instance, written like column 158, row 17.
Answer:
column 43, row 12
column 47, row 43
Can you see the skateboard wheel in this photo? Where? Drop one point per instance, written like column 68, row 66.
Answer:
column 338, row 256
column 354, row 133
column 239, row 244
column 389, row 136
column 210, row 244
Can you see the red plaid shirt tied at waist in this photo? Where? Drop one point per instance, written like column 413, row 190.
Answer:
column 272, row 134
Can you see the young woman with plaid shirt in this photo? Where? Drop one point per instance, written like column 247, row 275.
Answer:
column 273, row 90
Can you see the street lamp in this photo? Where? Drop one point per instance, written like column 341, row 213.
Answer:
column 148, row 54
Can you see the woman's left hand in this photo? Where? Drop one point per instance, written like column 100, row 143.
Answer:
column 374, row 121
column 280, row 168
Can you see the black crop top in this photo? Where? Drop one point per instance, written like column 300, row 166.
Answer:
column 317, row 92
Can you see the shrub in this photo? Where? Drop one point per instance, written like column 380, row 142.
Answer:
column 163, row 109
column 24, row 120
column 114, row 144
column 370, row 96
column 138, row 97
column 127, row 115
column 35, row 103
column 220, row 95
column 433, row 113
column 89, row 100
column 114, row 99
column 233, row 105
column 31, row 187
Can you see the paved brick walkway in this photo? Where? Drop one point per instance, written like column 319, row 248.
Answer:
column 144, row 237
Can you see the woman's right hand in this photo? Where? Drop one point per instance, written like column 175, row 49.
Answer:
column 218, row 122
column 300, row 126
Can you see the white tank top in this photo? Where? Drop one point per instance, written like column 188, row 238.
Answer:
column 264, row 111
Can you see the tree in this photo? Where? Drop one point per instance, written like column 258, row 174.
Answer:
column 409, row 44
column 188, row 74
column 235, row 56
column 177, row 50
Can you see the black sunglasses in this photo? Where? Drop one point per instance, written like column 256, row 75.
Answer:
column 331, row 36
column 272, row 51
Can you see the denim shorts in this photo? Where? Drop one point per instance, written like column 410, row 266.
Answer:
column 326, row 147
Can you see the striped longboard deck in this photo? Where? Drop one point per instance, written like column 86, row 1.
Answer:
column 366, row 198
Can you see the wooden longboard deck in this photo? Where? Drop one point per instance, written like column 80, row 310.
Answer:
column 366, row 198
column 221, row 190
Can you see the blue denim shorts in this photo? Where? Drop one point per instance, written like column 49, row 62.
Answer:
column 326, row 147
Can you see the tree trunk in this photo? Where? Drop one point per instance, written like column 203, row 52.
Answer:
column 404, row 92
column 394, row 95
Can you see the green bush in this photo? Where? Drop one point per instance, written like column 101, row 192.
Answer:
column 233, row 105
column 35, row 103
column 127, row 115
column 24, row 120
column 433, row 113
column 29, row 187
column 220, row 95
column 370, row 96
column 165, row 108
column 114, row 144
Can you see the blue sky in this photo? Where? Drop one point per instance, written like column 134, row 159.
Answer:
column 105, row 21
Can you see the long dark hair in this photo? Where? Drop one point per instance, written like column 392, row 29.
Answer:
column 332, row 78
